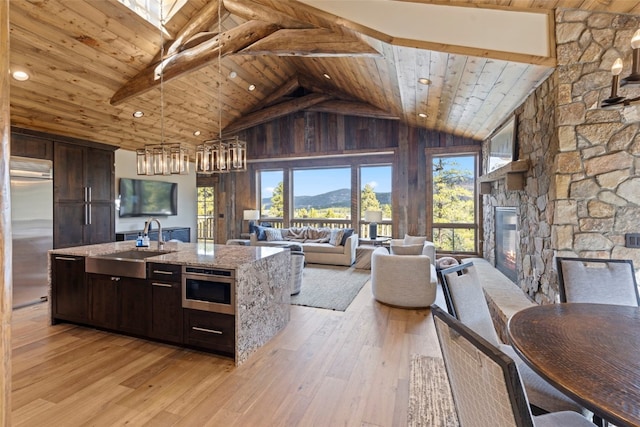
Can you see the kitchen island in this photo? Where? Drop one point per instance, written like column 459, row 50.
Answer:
column 154, row 306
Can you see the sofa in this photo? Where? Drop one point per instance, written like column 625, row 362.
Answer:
column 334, row 246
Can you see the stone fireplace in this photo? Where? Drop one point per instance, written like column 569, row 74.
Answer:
column 506, row 241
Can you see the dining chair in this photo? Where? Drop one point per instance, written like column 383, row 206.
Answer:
column 466, row 302
column 606, row 281
column 485, row 383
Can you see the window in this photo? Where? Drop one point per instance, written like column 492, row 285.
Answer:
column 206, row 216
column 322, row 193
column 375, row 195
column 271, row 194
column 453, row 201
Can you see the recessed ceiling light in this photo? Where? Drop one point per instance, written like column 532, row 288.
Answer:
column 138, row 114
column 327, row 76
column 196, row 133
column 20, row 75
column 423, row 115
column 233, row 75
column 252, row 87
column 424, row 81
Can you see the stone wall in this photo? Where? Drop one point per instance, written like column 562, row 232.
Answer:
column 582, row 191
column 538, row 143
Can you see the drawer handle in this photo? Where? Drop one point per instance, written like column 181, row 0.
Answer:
column 164, row 285
column 163, row 272
column 65, row 258
column 211, row 331
column 116, row 279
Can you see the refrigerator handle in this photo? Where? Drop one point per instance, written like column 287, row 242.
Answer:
column 90, row 197
column 89, row 216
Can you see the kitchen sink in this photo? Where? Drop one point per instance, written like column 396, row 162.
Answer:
column 130, row 263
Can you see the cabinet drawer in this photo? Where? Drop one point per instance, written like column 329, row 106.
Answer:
column 213, row 331
column 164, row 272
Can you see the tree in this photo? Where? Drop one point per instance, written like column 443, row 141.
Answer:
column 452, row 204
column 277, row 201
column 368, row 199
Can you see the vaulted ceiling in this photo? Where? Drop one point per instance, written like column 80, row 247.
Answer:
column 93, row 63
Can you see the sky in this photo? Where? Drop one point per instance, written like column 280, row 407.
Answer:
column 310, row 182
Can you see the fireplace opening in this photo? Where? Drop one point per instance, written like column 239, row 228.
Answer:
column 506, row 242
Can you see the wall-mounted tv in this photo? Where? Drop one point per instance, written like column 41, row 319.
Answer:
column 139, row 197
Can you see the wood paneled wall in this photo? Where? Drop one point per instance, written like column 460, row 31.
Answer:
column 308, row 139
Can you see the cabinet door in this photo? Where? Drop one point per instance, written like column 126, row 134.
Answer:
column 166, row 311
column 69, row 296
column 31, row 146
column 103, row 291
column 101, row 220
column 68, row 224
column 100, row 175
column 133, row 301
column 69, row 172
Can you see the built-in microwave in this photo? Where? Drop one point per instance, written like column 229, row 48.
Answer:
column 209, row 289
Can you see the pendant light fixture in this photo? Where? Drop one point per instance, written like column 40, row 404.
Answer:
column 221, row 155
column 162, row 159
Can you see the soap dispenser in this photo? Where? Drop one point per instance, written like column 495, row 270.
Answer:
column 145, row 240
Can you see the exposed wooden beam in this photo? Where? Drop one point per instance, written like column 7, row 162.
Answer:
column 194, row 58
column 254, row 11
column 284, row 90
column 316, row 42
column 275, row 111
column 200, row 22
column 348, row 108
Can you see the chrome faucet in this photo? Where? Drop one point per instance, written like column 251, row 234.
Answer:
column 146, row 231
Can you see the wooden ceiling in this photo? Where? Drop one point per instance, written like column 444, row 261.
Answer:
column 81, row 53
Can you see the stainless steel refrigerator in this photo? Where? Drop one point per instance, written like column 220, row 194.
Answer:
column 32, row 228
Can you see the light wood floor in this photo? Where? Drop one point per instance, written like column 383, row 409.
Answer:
column 326, row 368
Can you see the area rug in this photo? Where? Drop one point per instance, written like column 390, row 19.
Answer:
column 430, row 401
column 330, row 287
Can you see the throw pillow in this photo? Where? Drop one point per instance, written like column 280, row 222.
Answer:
column 260, row 232
column 406, row 249
column 336, row 236
column 348, row 232
column 273, row 234
column 414, row 240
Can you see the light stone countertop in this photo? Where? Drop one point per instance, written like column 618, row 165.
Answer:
column 193, row 254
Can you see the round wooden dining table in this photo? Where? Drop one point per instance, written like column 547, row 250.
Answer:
column 589, row 351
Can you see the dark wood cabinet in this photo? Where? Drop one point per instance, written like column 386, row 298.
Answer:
column 133, row 305
column 31, row 146
column 69, row 296
column 165, row 320
column 103, row 292
column 150, row 308
column 84, row 194
column 210, row 331
column 119, row 303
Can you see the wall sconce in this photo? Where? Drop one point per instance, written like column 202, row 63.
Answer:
column 251, row 215
column 633, row 78
column 373, row 218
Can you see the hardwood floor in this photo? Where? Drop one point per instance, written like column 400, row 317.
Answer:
column 326, row 368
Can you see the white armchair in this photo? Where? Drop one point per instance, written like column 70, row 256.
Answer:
column 407, row 281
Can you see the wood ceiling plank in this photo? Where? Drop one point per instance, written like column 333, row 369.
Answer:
column 454, row 72
column 438, row 73
column 464, row 98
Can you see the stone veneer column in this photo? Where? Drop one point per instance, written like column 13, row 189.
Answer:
column 598, row 163
column 5, row 221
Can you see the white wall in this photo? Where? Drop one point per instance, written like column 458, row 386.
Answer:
column 187, row 196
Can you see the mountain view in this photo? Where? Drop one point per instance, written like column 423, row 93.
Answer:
column 331, row 199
